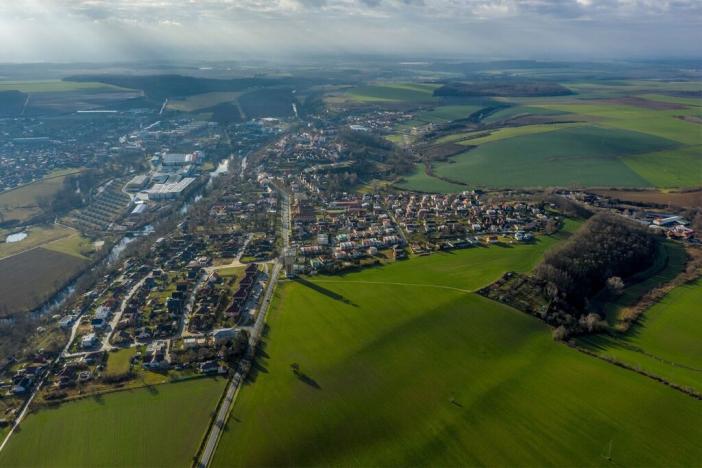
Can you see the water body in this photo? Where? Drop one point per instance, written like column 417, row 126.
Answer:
column 16, row 237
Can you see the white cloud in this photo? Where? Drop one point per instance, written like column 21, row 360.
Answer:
column 124, row 29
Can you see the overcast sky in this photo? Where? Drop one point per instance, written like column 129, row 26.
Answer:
column 107, row 30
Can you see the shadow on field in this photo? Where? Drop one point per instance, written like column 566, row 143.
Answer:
column 99, row 399
column 307, row 380
column 152, row 389
column 325, row 291
column 257, row 364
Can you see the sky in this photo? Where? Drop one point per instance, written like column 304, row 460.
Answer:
column 135, row 30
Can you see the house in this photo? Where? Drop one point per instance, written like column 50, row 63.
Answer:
column 88, row 341
column 223, row 335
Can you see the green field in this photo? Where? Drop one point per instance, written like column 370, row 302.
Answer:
column 443, row 114
column 670, row 262
column 419, row 181
column 36, row 236
column 666, row 341
column 576, row 156
column 118, row 362
column 393, row 92
column 680, row 167
column 21, row 203
column 403, row 366
column 161, row 426
column 661, row 123
column 51, row 86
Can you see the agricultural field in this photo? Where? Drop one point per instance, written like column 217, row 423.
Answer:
column 665, row 341
column 610, row 134
column 393, row 92
column 52, row 86
column 161, row 425
column 21, row 203
column 404, row 365
column 30, row 278
column 443, row 114
column 575, row 156
column 202, row 101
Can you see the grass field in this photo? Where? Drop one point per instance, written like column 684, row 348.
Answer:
column 666, row 341
column 443, row 114
column 50, row 86
column 396, row 368
column 36, row 236
column 118, row 362
column 21, row 203
column 421, row 182
column 161, row 426
column 393, row 92
column 30, row 278
column 577, row 156
column 670, row 262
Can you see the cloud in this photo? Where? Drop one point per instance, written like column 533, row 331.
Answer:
column 65, row 30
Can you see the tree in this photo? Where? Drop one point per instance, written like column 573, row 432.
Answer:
column 560, row 333
column 615, row 285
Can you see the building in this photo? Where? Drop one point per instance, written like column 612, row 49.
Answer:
column 137, row 183
column 169, row 191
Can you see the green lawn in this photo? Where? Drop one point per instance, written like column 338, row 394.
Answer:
column 396, row 369
column 161, row 426
column 666, row 341
column 118, row 362
column 576, row 156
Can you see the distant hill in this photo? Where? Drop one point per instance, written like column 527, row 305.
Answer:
column 11, row 103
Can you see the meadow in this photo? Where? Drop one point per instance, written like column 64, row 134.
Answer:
column 404, row 365
column 161, row 425
column 665, row 341
column 21, row 203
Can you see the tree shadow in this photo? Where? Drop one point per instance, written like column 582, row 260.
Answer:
column 307, row 380
column 325, row 291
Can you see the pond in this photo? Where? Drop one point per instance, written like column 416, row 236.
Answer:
column 16, row 237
